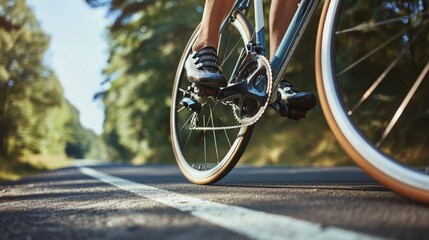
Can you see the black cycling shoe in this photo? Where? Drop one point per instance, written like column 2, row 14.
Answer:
column 291, row 103
column 202, row 69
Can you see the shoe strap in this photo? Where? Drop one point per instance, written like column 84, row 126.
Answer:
column 206, row 58
column 208, row 64
column 206, row 51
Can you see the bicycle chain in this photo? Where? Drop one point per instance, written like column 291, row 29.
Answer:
column 242, row 122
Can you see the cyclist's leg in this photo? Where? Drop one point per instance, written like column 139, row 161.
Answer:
column 278, row 25
column 291, row 103
column 214, row 13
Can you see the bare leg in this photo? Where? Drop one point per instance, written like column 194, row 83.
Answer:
column 281, row 14
column 215, row 12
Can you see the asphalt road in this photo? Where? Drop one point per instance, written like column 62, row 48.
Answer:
column 157, row 202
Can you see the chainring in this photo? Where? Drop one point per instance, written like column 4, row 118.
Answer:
column 259, row 74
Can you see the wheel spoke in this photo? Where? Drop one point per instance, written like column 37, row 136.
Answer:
column 227, row 138
column 189, row 119
column 198, row 153
column 403, row 105
column 180, row 109
column 372, row 52
column 237, row 65
column 214, row 135
column 205, row 142
column 227, row 43
column 187, row 140
column 231, row 51
column 224, row 130
column 386, row 71
column 378, row 81
column 371, row 25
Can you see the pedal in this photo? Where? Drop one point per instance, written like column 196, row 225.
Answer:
column 285, row 111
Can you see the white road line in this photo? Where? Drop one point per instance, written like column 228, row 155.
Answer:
column 251, row 223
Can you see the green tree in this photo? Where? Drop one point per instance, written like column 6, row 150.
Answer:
column 146, row 40
column 34, row 116
column 22, row 46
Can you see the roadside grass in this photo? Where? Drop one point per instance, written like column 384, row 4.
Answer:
column 16, row 168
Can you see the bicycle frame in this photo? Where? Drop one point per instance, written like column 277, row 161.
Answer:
column 291, row 39
column 372, row 25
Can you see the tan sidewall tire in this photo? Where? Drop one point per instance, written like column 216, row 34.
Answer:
column 399, row 187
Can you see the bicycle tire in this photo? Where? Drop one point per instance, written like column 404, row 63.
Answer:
column 195, row 172
column 385, row 166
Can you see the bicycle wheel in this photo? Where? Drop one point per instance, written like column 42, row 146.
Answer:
column 206, row 156
column 371, row 60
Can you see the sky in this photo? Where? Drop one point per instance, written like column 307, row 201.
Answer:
column 78, row 52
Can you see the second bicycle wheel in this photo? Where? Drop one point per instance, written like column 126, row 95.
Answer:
column 372, row 75
column 206, row 156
